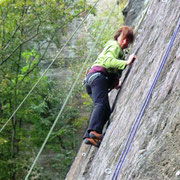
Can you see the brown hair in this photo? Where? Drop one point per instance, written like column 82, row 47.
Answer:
column 127, row 32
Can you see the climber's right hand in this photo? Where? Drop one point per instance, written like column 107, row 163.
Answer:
column 131, row 58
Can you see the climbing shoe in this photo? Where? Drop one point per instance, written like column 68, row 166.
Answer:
column 93, row 142
column 95, row 135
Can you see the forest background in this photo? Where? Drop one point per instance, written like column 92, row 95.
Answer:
column 31, row 34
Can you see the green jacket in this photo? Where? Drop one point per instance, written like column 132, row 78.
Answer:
column 111, row 58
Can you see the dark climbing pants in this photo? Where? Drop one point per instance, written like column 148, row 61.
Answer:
column 98, row 91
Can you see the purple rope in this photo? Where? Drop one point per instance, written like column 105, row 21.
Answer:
column 137, row 121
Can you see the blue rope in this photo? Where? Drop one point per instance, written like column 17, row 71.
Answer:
column 139, row 117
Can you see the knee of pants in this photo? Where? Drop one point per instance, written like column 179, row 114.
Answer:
column 104, row 106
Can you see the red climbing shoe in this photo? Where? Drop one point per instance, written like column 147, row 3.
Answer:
column 93, row 142
column 95, row 135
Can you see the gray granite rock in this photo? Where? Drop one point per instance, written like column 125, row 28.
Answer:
column 132, row 10
column 155, row 151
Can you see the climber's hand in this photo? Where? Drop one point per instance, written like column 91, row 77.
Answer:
column 132, row 57
column 119, row 85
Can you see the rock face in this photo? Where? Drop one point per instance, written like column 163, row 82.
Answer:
column 155, row 151
column 131, row 11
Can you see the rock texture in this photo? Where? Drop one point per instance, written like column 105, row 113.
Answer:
column 155, row 152
column 131, row 11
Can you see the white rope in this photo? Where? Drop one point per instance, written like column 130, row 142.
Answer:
column 69, row 94
column 48, row 67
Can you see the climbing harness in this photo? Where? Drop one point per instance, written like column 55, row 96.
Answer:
column 69, row 94
column 89, row 80
column 139, row 117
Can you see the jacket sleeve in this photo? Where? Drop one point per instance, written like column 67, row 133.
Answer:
column 111, row 58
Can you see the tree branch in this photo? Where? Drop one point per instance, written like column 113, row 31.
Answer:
column 61, row 142
column 8, row 43
column 37, row 32
column 29, row 71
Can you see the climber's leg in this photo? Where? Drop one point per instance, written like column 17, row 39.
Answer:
column 101, row 110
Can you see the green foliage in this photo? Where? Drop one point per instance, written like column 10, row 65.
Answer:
column 87, row 102
column 116, row 21
column 29, row 33
column 3, row 141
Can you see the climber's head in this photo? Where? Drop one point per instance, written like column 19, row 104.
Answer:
column 124, row 36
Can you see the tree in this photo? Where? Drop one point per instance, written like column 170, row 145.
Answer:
column 29, row 31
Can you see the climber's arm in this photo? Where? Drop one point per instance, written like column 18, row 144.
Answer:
column 112, row 61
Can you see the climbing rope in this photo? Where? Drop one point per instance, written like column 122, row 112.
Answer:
column 137, row 121
column 49, row 66
column 69, row 94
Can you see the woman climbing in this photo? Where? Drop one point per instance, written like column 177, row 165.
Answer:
column 104, row 76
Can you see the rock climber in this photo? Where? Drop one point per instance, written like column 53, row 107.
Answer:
column 102, row 77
